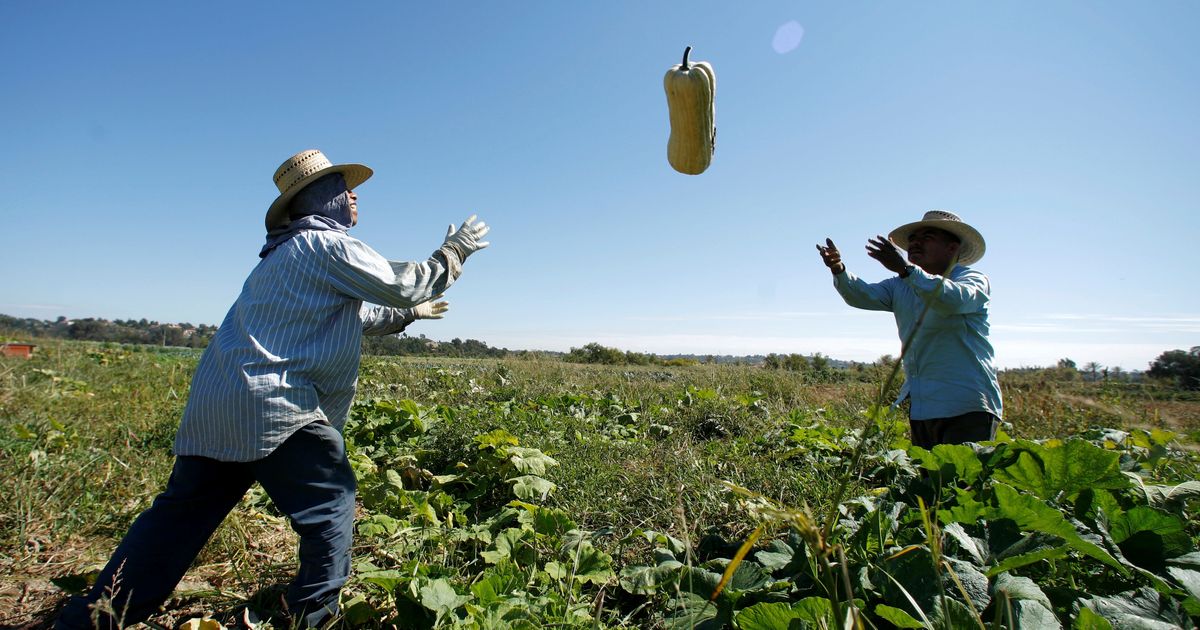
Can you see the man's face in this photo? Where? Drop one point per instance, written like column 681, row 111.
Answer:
column 932, row 249
column 353, row 209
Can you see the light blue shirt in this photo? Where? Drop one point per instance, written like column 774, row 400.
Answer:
column 287, row 353
column 950, row 369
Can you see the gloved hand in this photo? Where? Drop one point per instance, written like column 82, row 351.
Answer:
column 466, row 239
column 430, row 309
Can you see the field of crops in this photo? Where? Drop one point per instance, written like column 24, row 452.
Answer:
column 542, row 494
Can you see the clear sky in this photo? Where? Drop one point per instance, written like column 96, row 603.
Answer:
column 139, row 140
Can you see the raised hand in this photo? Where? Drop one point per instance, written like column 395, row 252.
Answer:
column 466, row 240
column 831, row 257
column 886, row 252
column 431, row 309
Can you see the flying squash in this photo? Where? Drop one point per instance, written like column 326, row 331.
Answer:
column 691, row 97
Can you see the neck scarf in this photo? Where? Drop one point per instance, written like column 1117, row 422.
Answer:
column 322, row 205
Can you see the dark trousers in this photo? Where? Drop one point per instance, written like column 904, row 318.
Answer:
column 309, row 479
column 977, row 426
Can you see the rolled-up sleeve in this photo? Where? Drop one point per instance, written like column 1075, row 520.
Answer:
column 964, row 291
column 360, row 272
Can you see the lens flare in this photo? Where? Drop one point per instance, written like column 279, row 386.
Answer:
column 788, row 37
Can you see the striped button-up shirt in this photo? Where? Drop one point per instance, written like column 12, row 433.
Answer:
column 950, row 368
column 287, row 354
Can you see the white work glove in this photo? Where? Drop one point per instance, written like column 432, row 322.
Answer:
column 466, row 239
column 430, row 310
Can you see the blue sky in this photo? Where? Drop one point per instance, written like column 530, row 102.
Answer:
column 140, row 139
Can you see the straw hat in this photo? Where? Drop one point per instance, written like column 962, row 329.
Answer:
column 301, row 170
column 972, row 245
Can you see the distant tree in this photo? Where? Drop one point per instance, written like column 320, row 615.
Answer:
column 1092, row 369
column 1182, row 367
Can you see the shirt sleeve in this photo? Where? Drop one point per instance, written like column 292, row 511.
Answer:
column 965, row 291
column 861, row 294
column 361, row 273
column 385, row 320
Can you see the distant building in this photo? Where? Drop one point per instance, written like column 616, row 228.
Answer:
column 23, row 350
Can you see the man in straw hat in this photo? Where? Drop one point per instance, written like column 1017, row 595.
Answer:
column 950, row 375
column 271, row 394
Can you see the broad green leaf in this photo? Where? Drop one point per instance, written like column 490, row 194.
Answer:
column 1088, row 619
column 545, row 521
column 21, row 432
column 1149, row 537
column 766, row 616
column 1042, row 553
column 1144, row 608
column 1020, row 587
column 440, row 597
column 948, row 612
column 496, row 439
column 1189, row 579
column 509, row 545
column 530, row 461
column 951, row 461
column 966, row 543
column 966, row 509
column 592, row 565
column 387, row 580
column 1032, row 515
column 897, row 617
column 1030, row 615
column 816, row 610
column 497, row 582
column 556, row 571
column 1166, row 496
column 971, row 583
column 693, row 612
column 647, row 580
column 776, row 556
column 531, row 487
column 1067, row 469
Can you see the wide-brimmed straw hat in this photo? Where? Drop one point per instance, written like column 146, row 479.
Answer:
column 971, row 247
column 301, row 170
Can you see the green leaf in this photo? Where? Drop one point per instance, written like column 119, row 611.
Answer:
column 1144, row 608
column 648, row 580
column 766, row 616
column 1032, row 515
column 556, row 570
column 966, row 509
column 966, row 543
column 509, row 545
column 530, row 461
column 1018, row 587
column 1088, row 619
column 1148, row 536
column 816, row 610
column 21, row 432
column 496, row 439
column 387, row 580
column 1187, row 578
column 897, row 617
column 951, row 461
column 1049, row 471
column 1172, row 496
column 546, row 521
column 440, row 597
column 592, row 565
column 531, row 487
column 1020, row 560
column 693, row 612
column 948, row 612
column 1030, row 615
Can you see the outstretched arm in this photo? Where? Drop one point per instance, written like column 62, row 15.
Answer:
column 386, row 320
column 855, row 291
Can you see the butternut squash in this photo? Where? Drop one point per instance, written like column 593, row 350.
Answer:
column 691, row 102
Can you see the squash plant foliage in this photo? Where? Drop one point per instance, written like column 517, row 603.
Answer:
column 1016, row 534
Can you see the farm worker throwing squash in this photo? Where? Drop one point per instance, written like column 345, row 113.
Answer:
column 272, row 392
column 950, row 374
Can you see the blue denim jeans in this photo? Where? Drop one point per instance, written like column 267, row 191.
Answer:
column 308, row 478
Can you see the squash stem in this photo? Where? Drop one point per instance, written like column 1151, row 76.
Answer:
column 687, row 51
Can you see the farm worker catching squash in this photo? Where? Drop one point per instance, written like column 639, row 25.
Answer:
column 950, row 374
column 272, row 392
